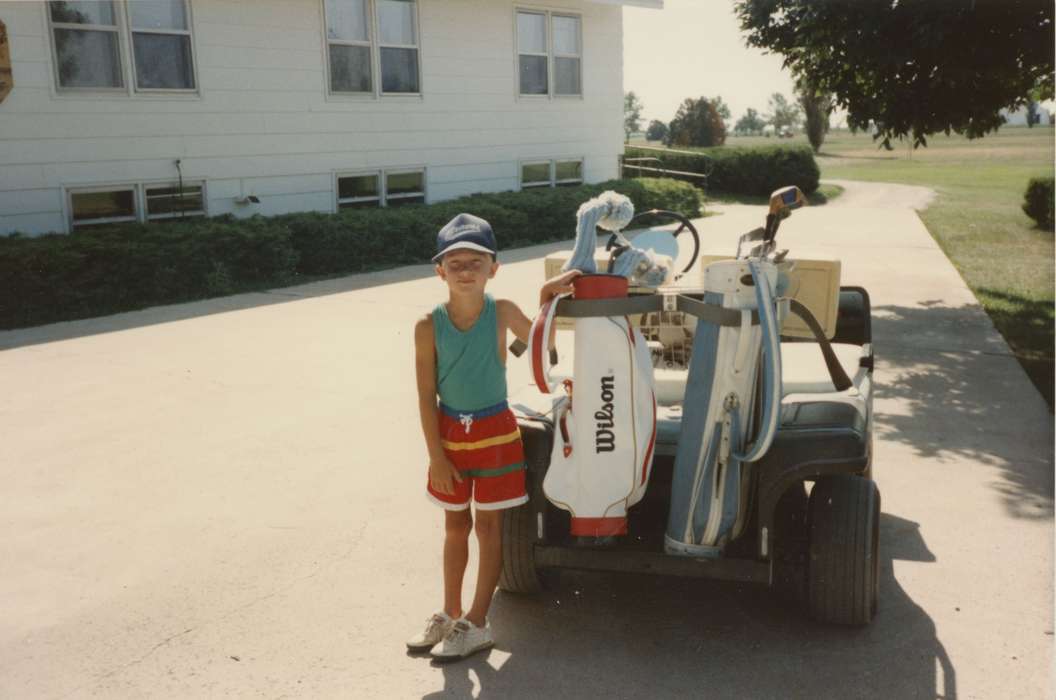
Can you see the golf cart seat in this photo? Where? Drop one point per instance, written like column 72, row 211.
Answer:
column 803, row 369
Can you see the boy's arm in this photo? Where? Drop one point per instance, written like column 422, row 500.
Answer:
column 441, row 471
column 513, row 318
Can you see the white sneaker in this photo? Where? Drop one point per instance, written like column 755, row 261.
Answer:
column 435, row 629
column 464, row 639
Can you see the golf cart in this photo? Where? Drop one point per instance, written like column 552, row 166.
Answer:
column 757, row 470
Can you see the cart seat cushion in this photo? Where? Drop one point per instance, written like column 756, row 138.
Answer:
column 803, row 368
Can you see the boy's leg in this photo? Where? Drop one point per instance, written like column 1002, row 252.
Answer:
column 489, row 535
column 457, row 526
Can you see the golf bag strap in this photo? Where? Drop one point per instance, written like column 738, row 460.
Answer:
column 839, row 377
column 538, row 340
column 711, row 313
column 630, row 306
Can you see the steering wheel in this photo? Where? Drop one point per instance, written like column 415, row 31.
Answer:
column 620, row 244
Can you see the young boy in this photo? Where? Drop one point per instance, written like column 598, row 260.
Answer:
column 474, row 445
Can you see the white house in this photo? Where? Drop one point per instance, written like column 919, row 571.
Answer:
column 129, row 110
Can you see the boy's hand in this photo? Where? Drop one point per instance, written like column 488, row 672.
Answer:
column 562, row 284
column 443, row 475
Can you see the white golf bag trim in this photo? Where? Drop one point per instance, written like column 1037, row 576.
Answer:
column 605, row 429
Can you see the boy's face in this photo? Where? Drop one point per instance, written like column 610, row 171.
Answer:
column 466, row 271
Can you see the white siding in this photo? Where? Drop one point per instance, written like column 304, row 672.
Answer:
column 262, row 122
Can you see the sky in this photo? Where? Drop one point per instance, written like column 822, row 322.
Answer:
column 695, row 48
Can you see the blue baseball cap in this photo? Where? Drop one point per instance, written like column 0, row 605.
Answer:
column 465, row 232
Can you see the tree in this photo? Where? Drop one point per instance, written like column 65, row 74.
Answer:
column 783, row 113
column 817, row 106
column 657, row 131
column 914, row 67
column 1032, row 114
column 722, row 108
column 632, row 115
column 697, row 123
column 750, row 123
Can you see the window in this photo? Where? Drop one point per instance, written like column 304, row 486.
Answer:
column 404, row 188
column 568, row 172
column 169, row 201
column 549, row 53
column 535, row 174
column 358, row 191
column 87, row 45
column 551, row 173
column 99, row 207
column 161, row 45
column 567, row 55
column 362, row 34
column 87, row 41
column 365, row 190
column 532, row 54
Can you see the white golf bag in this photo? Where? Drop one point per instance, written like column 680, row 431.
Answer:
column 605, row 428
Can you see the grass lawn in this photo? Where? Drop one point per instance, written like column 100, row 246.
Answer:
column 978, row 222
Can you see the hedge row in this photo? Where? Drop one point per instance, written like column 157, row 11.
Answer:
column 739, row 170
column 1038, row 201
column 60, row 277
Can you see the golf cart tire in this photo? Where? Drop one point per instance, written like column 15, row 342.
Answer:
column 843, row 567
column 519, row 573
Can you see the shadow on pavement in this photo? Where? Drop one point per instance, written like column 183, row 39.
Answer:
column 67, row 330
column 604, row 635
column 955, row 404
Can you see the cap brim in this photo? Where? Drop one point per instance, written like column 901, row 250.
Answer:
column 463, row 245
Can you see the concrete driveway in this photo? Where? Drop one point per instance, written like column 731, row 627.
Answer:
column 226, row 499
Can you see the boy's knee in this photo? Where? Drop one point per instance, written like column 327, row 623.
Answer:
column 489, row 523
column 459, row 523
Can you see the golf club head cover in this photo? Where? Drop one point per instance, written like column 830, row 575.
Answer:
column 609, row 210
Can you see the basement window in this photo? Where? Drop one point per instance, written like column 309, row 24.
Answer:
column 168, row 201
column 101, row 207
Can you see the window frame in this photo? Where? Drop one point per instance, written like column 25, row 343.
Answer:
column 175, row 184
column 126, row 59
column 407, row 195
column 555, row 55
column 116, row 28
column 551, row 55
column 570, row 181
column 73, row 225
column 522, row 185
column 517, row 53
column 383, row 185
column 552, row 181
column 374, row 44
column 338, row 175
column 139, row 201
column 189, row 33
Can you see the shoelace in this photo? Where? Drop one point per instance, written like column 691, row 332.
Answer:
column 456, row 632
column 433, row 622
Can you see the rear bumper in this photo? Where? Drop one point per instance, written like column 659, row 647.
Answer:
column 740, row 570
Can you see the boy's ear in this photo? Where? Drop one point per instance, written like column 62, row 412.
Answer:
column 494, row 268
column 440, row 271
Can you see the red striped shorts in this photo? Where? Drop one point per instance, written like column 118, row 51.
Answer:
column 485, row 447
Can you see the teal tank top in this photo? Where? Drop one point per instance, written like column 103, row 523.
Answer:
column 469, row 376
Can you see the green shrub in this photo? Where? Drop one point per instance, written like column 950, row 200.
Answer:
column 742, row 170
column 60, row 277
column 1038, row 201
